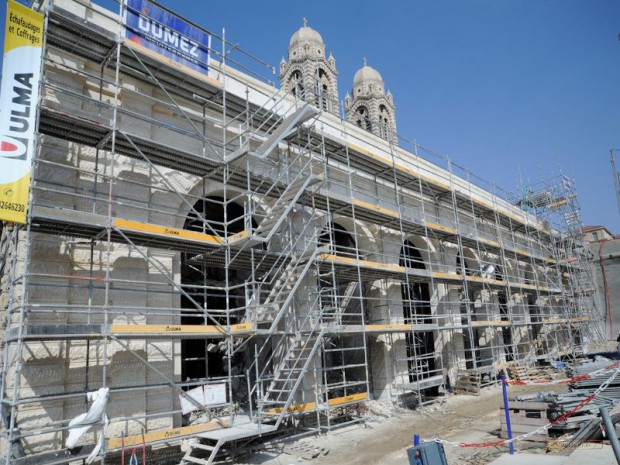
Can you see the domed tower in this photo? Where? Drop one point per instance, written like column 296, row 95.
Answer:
column 370, row 107
column 309, row 75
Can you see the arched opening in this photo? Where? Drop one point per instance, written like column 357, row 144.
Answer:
column 343, row 356
column 340, row 240
column 529, row 276
column 296, row 85
column 536, row 323
column 384, row 122
column 323, row 85
column 502, row 301
column 208, row 302
column 417, row 311
column 470, row 334
column 363, row 118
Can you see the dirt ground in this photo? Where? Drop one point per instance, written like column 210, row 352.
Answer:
column 387, row 436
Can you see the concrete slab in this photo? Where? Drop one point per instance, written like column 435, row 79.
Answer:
column 592, row 454
column 528, row 459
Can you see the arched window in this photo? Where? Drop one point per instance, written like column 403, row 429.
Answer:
column 201, row 305
column 463, row 265
column 323, row 96
column 342, row 241
column 384, row 122
column 416, row 297
column 363, row 118
column 296, row 85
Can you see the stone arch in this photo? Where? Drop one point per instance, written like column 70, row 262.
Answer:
column 295, row 83
column 366, row 242
column 416, row 295
column 529, row 274
column 324, row 89
column 208, row 300
column 362, row 117
column 467, row 263
column 385, row 121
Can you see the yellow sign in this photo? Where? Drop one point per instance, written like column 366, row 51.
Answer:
column 18, row 99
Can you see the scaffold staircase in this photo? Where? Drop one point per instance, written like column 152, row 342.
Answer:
column 275, row 402
column 293, row 343
column 278, row 213
column 285, row 287
column 277, row 133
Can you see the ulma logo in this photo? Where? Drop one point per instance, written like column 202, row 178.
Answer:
column 11, row 144
column 13, row 147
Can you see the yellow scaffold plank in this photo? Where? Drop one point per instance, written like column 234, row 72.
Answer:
column 489, row 242
column 376, row 208
column 168, row 434
column 120, row 329
column 576, row 319
column 364, row 263
column 294, row 408
column 331, row 402
column 137, row 226
column 440, row 227
column 454, row 276
column 239, row 236
column 347, row 399
column 387, row 328
column 172, row 64
column 207, row 330
column 522, row 252
column 478, row 279
column 479, row 323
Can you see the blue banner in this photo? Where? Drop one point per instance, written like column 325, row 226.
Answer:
column 161, row 31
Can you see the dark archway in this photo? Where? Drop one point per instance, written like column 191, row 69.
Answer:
column 342, row 241
column 536, row 323
column 470, row 335
column 342, row 356
column 502, row 301
column 416, row 297
column 205, row 284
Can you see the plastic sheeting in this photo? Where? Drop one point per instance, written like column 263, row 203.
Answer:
column 95, row 416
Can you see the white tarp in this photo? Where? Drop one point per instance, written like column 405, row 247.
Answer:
column 95, row 416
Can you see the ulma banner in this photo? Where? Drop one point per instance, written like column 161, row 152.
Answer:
column 18, row 100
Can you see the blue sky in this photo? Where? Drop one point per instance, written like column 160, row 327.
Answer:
column 499, row 86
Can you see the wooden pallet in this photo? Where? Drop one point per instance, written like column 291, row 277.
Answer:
column 525, row 417
column 530, row 375
column 467, row 383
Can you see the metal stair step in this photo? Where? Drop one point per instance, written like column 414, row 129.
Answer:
column 189, row 458
column 203, row 447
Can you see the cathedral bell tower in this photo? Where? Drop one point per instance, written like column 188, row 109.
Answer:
column 371, row 108
column 308, row 74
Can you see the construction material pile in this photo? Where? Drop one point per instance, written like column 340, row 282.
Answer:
column 574, row 416
column 561, row 404
column 590, row 384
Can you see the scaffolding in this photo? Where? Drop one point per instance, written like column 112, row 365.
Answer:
column 211, row 231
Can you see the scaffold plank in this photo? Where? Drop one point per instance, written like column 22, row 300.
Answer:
column 166, row 231
column 167, row 434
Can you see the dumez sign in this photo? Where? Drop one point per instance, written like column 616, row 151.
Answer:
column 161, row 31
column 19, row 94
